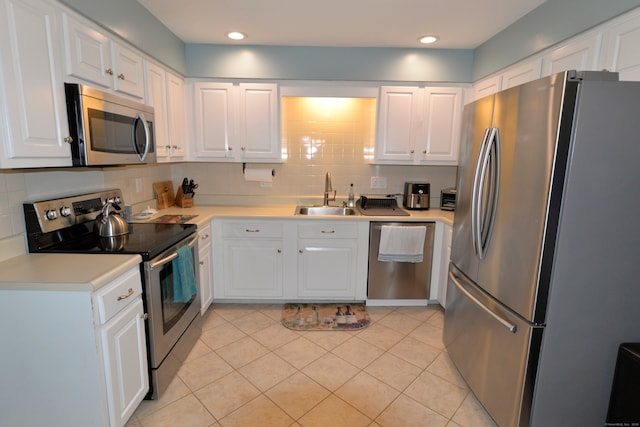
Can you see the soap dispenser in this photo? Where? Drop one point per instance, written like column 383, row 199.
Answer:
column 352, row 198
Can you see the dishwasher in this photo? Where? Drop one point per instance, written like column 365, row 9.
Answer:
column 396, row 279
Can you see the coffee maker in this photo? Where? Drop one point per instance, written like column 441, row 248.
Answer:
column 416, row 195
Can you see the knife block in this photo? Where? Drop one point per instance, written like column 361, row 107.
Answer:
column 182, row 201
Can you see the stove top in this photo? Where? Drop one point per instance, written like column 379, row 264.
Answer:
column 65, row 225
column 147, row 240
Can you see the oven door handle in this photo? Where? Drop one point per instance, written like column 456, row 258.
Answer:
column 173, row 255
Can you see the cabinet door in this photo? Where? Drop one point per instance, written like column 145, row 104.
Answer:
column 581, row 54
column 486, row 87
column 621, row 52
column 206, row 281
column 214, row 120
column 125, row 360
column 127, row 71
column 176, row 116
column 522, row 73
column 442, row 110
column 253, row 268
column 156, row 96
column 327, row 268
column 32, row 106
column 398, row 124
column 258, row 122
column 87, row 52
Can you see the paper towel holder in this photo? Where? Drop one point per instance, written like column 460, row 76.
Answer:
column 244, row 167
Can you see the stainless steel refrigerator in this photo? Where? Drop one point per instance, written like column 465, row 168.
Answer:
column 543, row 281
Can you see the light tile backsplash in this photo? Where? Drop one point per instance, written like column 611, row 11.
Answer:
column 316, row 140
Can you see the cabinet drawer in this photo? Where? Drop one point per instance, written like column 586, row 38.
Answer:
column 252, row 229
column 333, row 229
column 204, row 235
column 118, row 294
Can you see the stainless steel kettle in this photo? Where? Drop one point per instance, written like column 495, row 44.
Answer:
column 110, row 224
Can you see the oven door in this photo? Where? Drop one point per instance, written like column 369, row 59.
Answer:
column 169, row 314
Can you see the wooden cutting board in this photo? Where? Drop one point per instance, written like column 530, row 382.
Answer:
column 164, row 193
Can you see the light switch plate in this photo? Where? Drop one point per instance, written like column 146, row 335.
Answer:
column 378, row 182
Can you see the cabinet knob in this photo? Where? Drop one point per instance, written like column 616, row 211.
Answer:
column 168, row 147
column 230, row 148
column 201, row 262
column 68, row 140
column 300, row 250
column 109, row 71
column 279, row 251
column 412, row 151
column 424, row 151
column 121, row 76
column 206, row 236
column 242, row 148
column 145, row 316
column 175, row 147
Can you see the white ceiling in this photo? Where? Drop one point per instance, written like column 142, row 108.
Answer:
column 460, row 24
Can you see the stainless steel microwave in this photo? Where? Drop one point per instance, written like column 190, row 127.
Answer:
column 108, row 129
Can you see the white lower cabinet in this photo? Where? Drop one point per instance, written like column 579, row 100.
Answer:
column 77, row 359
column 249, row 259
column 290, row 259
column 327, row 260
column 440, row 269
column 206, row 276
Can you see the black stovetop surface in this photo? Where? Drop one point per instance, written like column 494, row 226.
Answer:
column 147, row 240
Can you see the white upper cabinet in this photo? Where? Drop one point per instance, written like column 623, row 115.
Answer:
column 418, row 125
column 236, row 123
column 581, row 53
column 487, row 86
column 32, row 104
column 621, row 52
column 522, row 73
column 213, row 120
column 94, row 57
column 165, row 92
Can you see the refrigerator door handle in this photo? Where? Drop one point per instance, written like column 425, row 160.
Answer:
column 510, row 326
column 488, row 169
column 476, row 200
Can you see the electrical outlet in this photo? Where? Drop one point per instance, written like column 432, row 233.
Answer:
column 378, row 182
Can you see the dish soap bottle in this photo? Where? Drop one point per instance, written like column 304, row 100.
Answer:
column 352, row 198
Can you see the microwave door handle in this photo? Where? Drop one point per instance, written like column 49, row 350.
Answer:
column 140, row 117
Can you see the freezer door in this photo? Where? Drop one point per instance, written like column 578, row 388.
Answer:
column 476, row 121
column 490, row 346
column 531, row 162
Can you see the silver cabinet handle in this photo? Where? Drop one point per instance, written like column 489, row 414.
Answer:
column 510, row 326
column 327, row 231
column 256, row 230
column 127, row 295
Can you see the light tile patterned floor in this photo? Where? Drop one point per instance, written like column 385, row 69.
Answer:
column 248, row 370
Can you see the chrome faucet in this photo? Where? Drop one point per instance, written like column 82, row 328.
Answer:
column 328, row 189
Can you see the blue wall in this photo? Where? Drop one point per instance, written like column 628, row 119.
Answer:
column 132, row 22
column 550, row 23
column 329, row 63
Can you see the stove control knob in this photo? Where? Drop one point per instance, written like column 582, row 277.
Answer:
column 51, row 214
column 65, row 211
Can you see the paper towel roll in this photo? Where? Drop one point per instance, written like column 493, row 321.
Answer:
column 258, row 175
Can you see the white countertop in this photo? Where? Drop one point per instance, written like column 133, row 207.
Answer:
column 207, row 213
column 88, row 272
column 63, row 272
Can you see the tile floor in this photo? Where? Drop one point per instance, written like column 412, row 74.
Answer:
column 249, row 370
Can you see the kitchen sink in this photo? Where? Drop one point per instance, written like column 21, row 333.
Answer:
column 325, row 210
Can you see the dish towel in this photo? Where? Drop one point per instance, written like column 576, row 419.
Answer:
column 402, row 243
column 184, row 279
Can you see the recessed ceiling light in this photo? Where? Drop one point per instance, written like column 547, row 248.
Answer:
column 234, row 35
column 428, row 39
